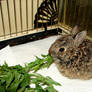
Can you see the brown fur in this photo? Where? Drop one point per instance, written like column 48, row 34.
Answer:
column 75, row 61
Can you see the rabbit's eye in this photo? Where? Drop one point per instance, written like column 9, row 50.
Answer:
column 61, row 49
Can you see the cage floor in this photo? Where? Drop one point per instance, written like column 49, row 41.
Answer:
column 25, row 53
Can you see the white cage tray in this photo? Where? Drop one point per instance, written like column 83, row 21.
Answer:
column 25, row 53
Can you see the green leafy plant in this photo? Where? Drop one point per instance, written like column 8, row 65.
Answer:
column 18, row 79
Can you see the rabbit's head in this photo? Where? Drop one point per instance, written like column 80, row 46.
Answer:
column 66, row 46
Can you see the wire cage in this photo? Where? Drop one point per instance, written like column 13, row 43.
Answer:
column 24, row 20
column 77, row 12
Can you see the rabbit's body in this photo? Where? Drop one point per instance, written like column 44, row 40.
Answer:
column 73, row 55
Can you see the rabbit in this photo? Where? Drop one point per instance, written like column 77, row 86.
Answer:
column 72, row 55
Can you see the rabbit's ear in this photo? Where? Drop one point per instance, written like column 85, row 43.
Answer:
column 75, row 30
column 79, row 38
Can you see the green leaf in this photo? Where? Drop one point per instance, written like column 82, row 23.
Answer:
column 29, row 90
column 51, row 81
column 18, row 79
column 2, row 89
column 38, row 88
column 38, row 64
column 44, row 81
column 50, row 89
column 26, row 81
column 9, row 77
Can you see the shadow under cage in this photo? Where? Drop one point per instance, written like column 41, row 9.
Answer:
column 28, row 20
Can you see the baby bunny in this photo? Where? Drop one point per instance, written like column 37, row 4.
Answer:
column 73, row 55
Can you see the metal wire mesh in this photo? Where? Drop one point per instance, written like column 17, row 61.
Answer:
column 17, row 16
column 77, row 12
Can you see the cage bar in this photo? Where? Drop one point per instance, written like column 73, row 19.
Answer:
column 27, row 15
column 2, row 21
column 21, row 16
column 17, row 16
